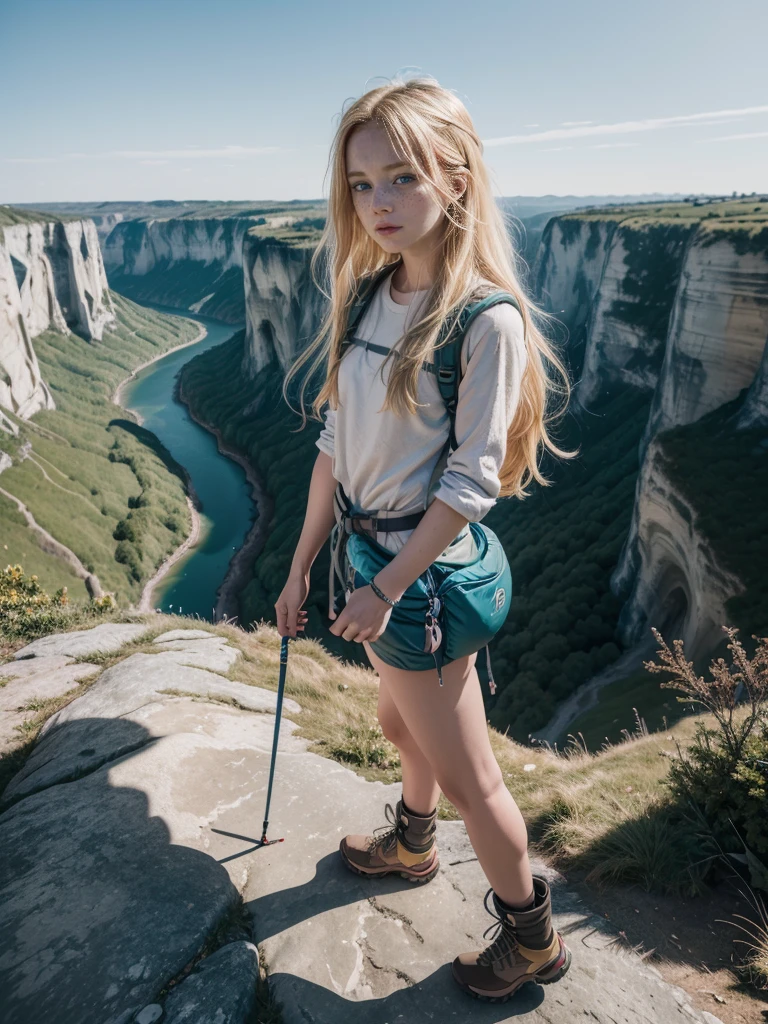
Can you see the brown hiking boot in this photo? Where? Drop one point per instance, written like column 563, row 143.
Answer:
column 407, row 847
column 527, row 948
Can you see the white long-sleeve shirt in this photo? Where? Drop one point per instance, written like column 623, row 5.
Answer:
column 385, row 462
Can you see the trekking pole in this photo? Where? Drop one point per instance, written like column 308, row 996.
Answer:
column 280, row 690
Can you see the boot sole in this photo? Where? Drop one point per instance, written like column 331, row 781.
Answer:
column 526, row 981
column 415, row 879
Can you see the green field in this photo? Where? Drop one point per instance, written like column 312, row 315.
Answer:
column 93, row 478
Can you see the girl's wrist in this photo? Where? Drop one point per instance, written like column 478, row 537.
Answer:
column 384, row 595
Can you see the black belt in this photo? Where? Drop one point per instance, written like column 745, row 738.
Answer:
column 371, row 523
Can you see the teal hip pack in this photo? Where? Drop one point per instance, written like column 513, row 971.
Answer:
column 449, row 611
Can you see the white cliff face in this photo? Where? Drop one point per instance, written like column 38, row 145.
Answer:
column 105, row 222
column 612, row 283
column 284, row 308
column 22, row 388
column 51, row 278
column 138, row 247
column 717, row 332
column 569, row 268
column 627, row 326
column 680, row 310
column 192, row 263
column 59, row 275
column 676, row 583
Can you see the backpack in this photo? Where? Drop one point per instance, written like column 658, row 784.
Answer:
column 447, row 365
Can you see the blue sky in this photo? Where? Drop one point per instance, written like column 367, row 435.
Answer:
column 238, row 99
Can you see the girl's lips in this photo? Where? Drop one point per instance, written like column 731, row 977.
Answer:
column 387, row 230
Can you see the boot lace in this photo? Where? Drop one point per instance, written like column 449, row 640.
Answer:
column 389, row 832
column 504, row 945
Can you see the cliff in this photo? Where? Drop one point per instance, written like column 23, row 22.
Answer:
column 671, row 300
column 673, row 578
column 283, row 306
column 51, row 277
column 193, row 263
column 718, row 328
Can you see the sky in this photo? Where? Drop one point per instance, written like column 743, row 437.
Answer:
column 239, row 99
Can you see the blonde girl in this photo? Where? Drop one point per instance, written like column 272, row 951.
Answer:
column 409, row 190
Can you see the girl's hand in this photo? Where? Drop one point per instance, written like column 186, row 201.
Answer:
column 291, row 617
column 364, row 617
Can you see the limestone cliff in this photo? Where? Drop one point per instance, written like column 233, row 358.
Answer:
column 51, row 278
column 718, row 328
column 674, row 301
column 193, row 263
column 673, row 578
column 612, row 282
column 284, row 307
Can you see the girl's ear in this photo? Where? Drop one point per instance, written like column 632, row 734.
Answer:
column 460, row 183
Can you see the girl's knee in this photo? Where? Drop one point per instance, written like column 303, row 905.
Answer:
column 392, row 724
column 467, row 789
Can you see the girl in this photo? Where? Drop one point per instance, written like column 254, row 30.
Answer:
column 410, row 191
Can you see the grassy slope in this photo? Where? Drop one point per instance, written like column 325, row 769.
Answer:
column 101, row 463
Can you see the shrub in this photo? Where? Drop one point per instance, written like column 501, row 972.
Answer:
column 27, row 611
column 724, row 773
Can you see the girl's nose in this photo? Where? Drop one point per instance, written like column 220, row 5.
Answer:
column 382, row 201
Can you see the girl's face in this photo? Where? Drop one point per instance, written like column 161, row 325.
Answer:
column 393, row 201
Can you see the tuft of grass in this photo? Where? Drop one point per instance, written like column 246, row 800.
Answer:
column 754, row 964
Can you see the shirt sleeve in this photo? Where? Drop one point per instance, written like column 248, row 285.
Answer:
column 493, row 359
column 325, row 441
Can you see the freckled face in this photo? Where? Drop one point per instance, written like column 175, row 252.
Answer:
column 391, row 198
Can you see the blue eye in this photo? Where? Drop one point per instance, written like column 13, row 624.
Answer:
column 356, row 189
column 411, row 176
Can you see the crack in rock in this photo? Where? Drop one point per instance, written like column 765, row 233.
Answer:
column 455, row 885
column 367, row 951
column 394, row 915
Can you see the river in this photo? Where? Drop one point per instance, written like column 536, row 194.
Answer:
column 228, row 512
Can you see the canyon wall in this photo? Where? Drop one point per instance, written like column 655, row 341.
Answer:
column 284, row 308
column 193, row 263
column 717, row 330
column 669, row 571
column 678, row 309
column 51, row 278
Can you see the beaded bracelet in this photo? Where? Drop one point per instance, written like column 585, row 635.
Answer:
column 383, row 597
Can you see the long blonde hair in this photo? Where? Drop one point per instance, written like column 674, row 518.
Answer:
column 433, row 131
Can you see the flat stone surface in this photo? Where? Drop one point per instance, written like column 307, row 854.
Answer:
column 104, row 639
column 113, row 882
column 218, row 657
column 221, row 991
column 40, row 679
column 333, row 940
column 187, row 634
column 90, row 727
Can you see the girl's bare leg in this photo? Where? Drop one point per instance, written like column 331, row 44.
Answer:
column 420, row 788
column 447, row 726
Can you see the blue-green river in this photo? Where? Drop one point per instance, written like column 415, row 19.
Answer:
column 227, row 509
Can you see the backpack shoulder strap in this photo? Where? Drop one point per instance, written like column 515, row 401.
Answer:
column 364, row 292
column 448, row 355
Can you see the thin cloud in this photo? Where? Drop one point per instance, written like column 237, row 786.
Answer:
column 145, row 155
column 614, row 145
column 574, row 124
column 728, row 138
column 530, row 126
column 625, row 127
